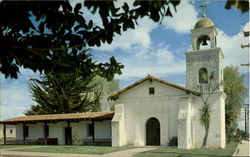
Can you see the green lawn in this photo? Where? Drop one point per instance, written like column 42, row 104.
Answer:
column 14, row 146
column 74, row 149
column 174, row 152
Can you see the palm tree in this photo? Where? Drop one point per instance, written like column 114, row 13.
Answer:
column 205, row 110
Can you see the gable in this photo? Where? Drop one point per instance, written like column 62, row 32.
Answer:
column 141, row 89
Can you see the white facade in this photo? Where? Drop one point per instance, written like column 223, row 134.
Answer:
column 177, row 112
column 57, row 130
column 10, row 131
column 171, row 108
column 138, row 106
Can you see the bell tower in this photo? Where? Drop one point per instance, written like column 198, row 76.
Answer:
column 204, row 63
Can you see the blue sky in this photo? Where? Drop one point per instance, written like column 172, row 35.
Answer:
column 152, row 48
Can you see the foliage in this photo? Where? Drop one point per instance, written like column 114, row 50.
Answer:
column 236, row 136
column 243, row 5
column 205, row 115
column 241, row 133
column 206, row 90
column 31, row 36
column 235, row 90
column 64, row 93
column 76, row 138
column 70, row 93
column 106, row 88
column 173, row 141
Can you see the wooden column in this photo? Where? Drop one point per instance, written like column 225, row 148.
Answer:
column 24, row 133
column 68, row 134
column 93, row 135
column 68, row 124
column 4, row 133
column 45, row 136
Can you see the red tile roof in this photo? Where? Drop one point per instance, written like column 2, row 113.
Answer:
column 61, row 117
column 115, row 95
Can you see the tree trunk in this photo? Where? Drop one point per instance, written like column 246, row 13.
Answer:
column 204, row 143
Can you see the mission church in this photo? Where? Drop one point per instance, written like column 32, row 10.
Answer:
column 149, row 112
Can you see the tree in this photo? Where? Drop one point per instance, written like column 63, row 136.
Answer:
column 70, row 93
column 236, row 91
column 243, row 5
column 37, row 33
column 206, row 90
column 106, row 88
column 31, row 36
column 64, row 93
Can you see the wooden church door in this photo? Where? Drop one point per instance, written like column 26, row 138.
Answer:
column 153, row 132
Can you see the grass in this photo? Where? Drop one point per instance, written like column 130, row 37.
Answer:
column 14, row 146
column 174, row 152
column 74, row 149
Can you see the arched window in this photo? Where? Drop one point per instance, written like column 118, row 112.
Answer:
column 203, row 77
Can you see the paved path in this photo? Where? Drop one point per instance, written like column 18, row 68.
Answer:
column 243, row 149
column 124, row 153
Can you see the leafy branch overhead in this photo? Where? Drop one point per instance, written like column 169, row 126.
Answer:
column 48, row 37
column 37, row 34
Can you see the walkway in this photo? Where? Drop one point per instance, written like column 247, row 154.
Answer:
column 243, row 149
column 124, row 153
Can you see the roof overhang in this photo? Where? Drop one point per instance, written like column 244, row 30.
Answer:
column 52, row 118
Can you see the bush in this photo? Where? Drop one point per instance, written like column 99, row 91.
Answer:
column 236, row 137
column 241, row 133
column 173, row 141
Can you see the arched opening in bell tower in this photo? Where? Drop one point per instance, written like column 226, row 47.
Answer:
column 203, row 42
column 203, row 77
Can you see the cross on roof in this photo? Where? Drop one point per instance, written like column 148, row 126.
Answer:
column 203, row 6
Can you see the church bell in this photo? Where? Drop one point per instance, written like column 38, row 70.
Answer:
column 204, row 42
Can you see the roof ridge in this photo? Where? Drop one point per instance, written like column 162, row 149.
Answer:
column 115, row 94
column 65, row 114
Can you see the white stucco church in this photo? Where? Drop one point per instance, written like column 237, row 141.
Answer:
column 152, row 111
column 149, row 112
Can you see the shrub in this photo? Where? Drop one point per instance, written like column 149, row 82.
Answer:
column 173, row 141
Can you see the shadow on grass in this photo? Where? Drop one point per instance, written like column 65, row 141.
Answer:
column 185, row 154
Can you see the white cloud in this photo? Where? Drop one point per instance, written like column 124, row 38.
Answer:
column 121, row 2
column 183, row 20
column 247, row 27
column 141, row 34
column 15, row 98
column 15, row 95
column 157, row 60
column 138, row 36
column 231, row 48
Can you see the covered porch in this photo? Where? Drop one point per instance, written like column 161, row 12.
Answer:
column 62, row 129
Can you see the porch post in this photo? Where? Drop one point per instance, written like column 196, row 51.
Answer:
column 68, row 124
column 24, row 133
column 93, row 135
column 69, row 134
column 45, row 133
column 4, row 133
